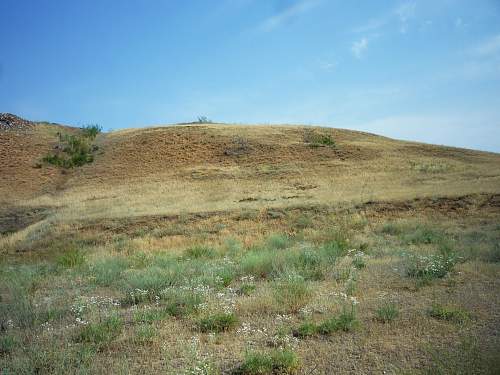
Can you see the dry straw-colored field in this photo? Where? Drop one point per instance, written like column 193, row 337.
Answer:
column 211, row 248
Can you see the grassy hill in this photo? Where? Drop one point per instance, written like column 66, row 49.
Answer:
column 215, row 248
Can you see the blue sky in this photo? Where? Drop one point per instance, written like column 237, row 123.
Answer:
column 426, row 70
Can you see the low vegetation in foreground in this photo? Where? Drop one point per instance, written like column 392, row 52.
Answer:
column 415, row 294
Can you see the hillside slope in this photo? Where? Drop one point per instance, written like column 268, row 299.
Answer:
column 203, row 168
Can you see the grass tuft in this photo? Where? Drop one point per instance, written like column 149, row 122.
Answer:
column 387, row 312
column 220, row 322
column 102, row 333
column 273, row 362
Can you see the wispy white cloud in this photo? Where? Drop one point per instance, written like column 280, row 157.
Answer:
column 488, row 48
column 292, row 11
column 358, row 47
column 405, row 12
column 402, row 14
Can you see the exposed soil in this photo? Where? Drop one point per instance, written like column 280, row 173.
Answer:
column 13, row 219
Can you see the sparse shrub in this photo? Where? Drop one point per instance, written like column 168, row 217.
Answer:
column 493, row 255
column 429, row 167
column 246, row 289
column 224, row 276
column 144, row 334
column 233, row 246
column 308, row 263
column 262, row 263
column 273, row 362
column 145, row 285
column 71, row 258
column 303, row 222
column 392, row 228
column 149, row 315
column 346, row 321
column 107, row 271
column 197, row 252
column 73, row 150
column 220, row 322
column 278, row 241
column 334, row 249
column 7, row 343
column 351, row 284
column 306, row 329
column 359, row 260
column 387, row 312
column 101, row 333
column 180, row 302
column 91, row 131
column 204, row 120
column 316, row 139
column 429, row 267
column 18, row 306
column 423, row 234
column 448, row 313
column 292, row 293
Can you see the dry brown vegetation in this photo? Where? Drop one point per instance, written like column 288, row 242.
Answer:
column 207, row 249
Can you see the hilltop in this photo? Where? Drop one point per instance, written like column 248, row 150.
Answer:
column 216, row 167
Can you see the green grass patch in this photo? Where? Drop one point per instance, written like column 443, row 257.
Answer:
column 72, row 258
column 220, row 322
column 346, row 321
column 273, row 362
column 149, row 315
column 387, row 312
column 197, row 252
column 101, row 334
column 292, row 293
column 179, row 303
column 107, row 271
column 448, row 313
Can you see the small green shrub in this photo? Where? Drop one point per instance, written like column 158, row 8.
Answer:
column 424, row 234
column 91, row 131
column 387, row 313
column 146, row 284
column 346, row 321
column 315, row 139
column 107, row 271
column 292, row 293
column 448, row 313
column 359, row 261
column 180, row 303
column 262, row 263
column 71, row 259
column 429, row 267
column 7, row 343
column 144, row 334
column 273, row 362
column 73, row 150
column 102, row 333
column 197, row 252
column 149, row 315
column 278, row 241
column 306, row 330
column 220, row 322
column 246, row 289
